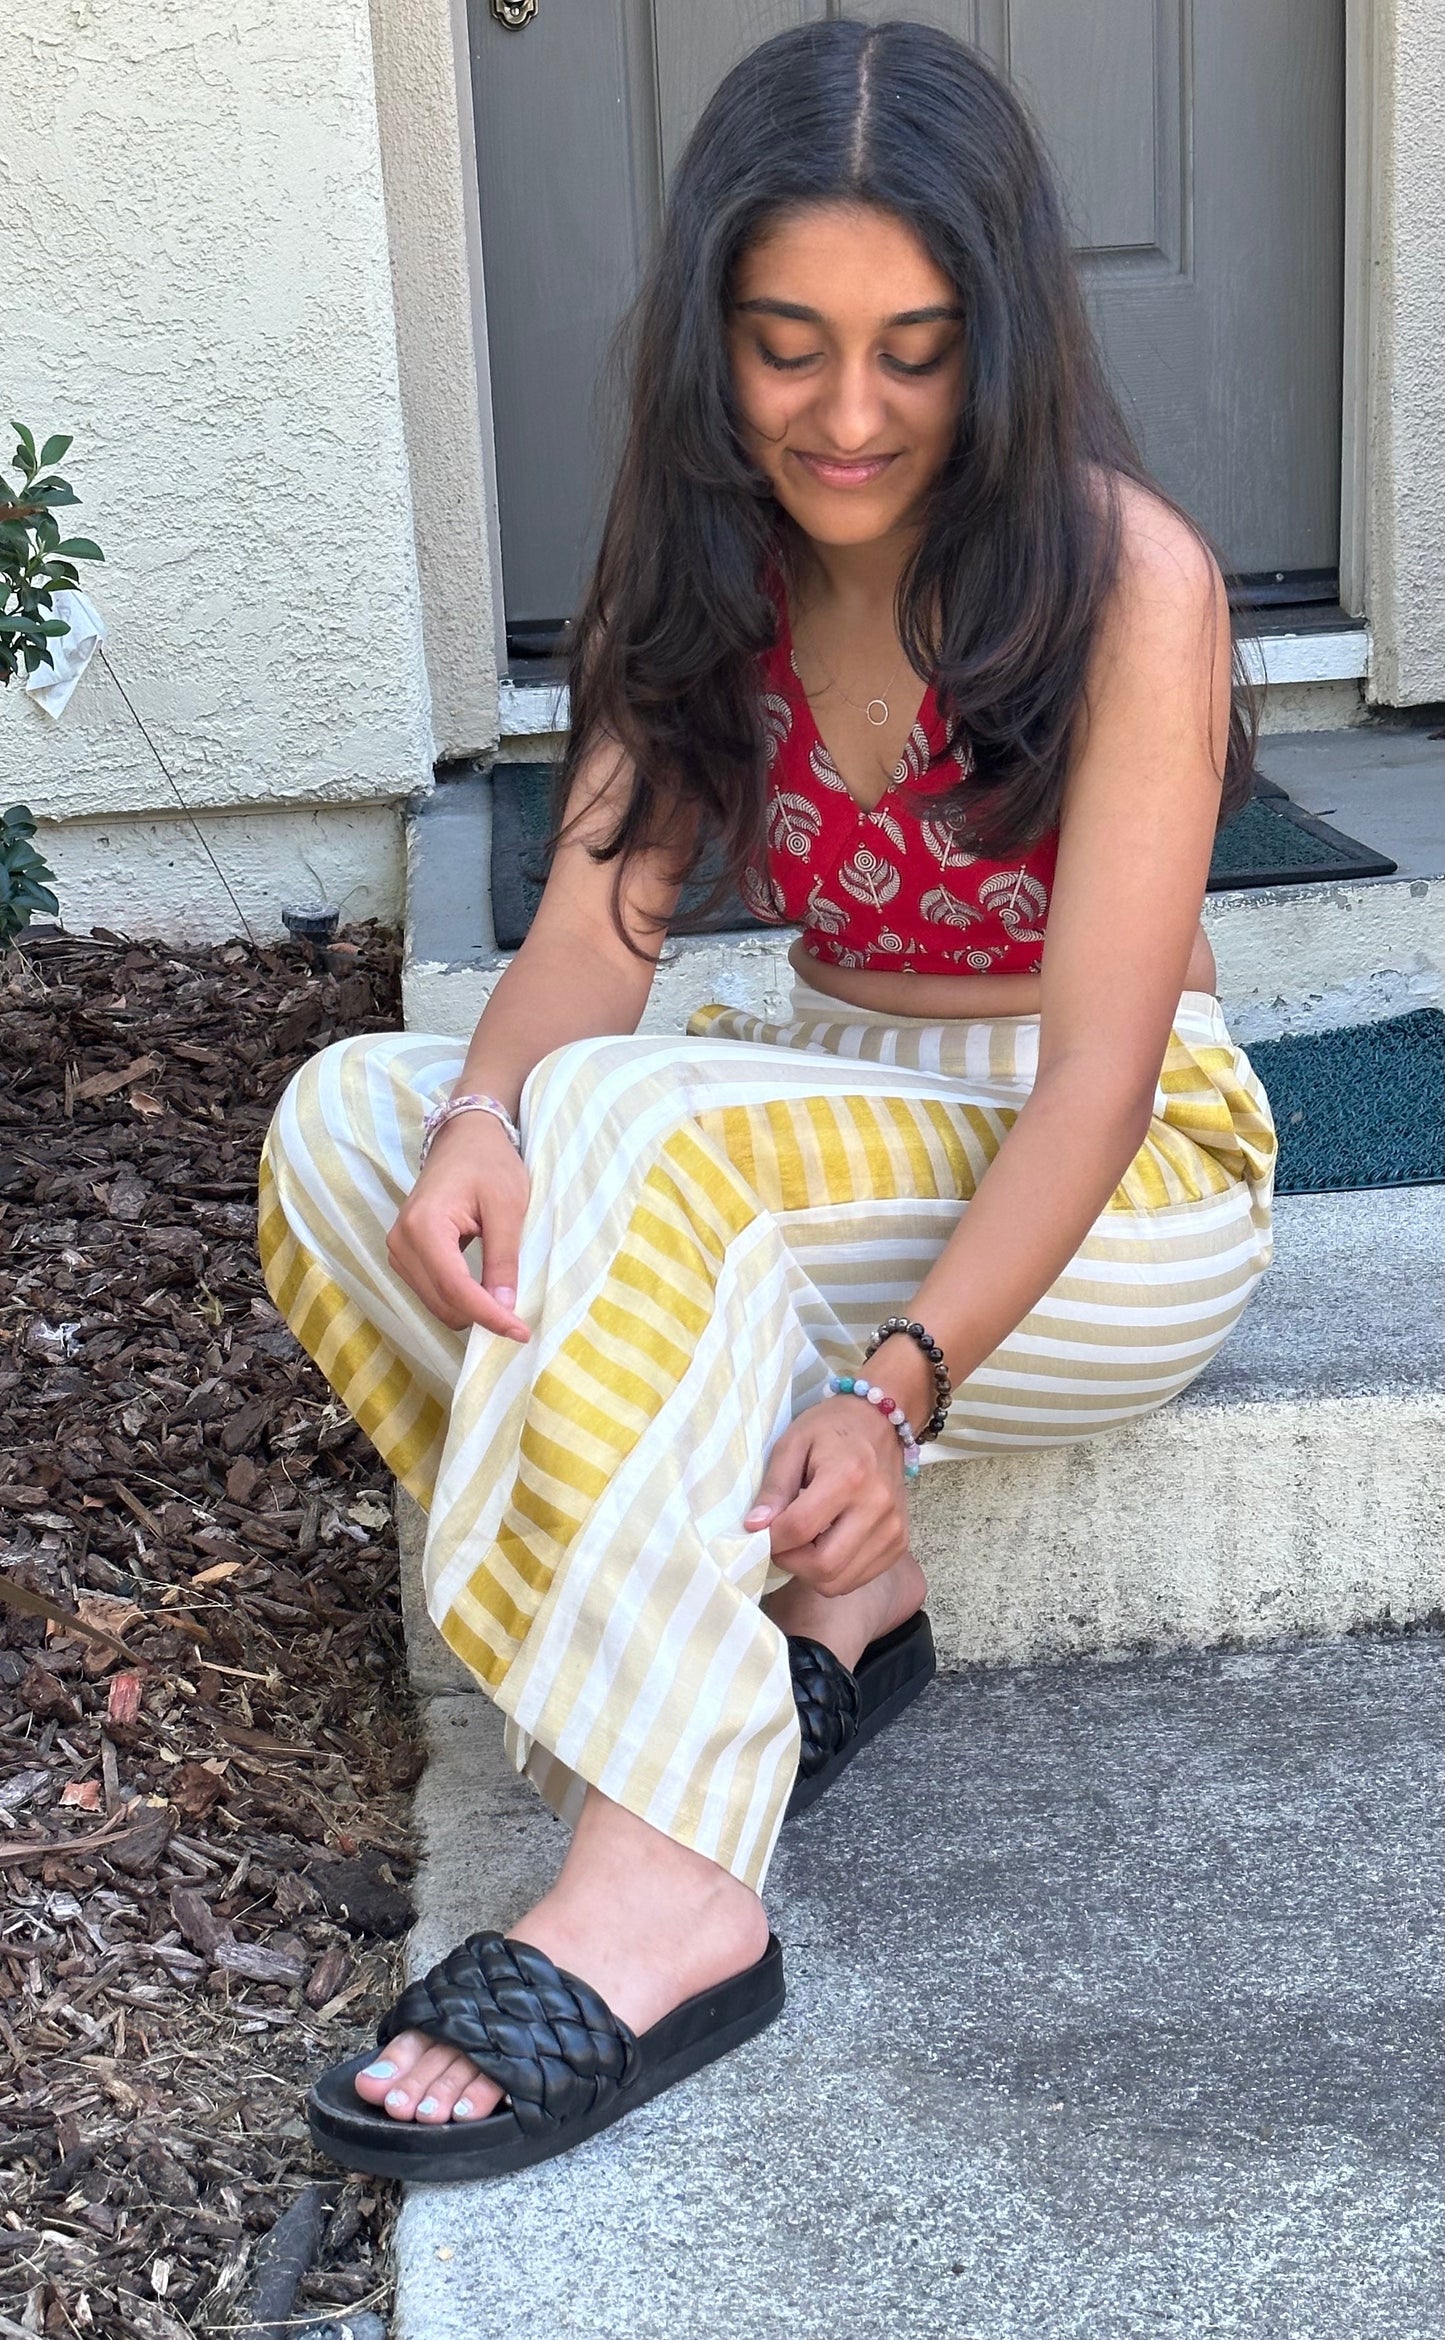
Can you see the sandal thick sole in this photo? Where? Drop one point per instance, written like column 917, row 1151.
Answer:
column 890, row 1674
column 360, row 2136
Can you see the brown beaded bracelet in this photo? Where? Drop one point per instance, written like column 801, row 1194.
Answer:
column 943, row 1386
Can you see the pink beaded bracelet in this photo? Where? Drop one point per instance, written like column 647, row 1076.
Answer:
column 857, row 1385
column 448, row 1110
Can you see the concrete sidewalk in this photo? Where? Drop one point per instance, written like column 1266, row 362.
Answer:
column 1114, row 2011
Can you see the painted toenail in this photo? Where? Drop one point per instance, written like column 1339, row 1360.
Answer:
column 464, row 2108
column 381, row 2071
column 396, row 2096
column 428, row 2106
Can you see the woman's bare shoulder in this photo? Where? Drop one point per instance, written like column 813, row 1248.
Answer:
column 1161, row 659
column 1164, row 562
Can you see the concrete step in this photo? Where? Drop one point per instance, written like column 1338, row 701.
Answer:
column 1113, row 2015
column 1108, row 1975
column 1291, row 958
column 1297, row 1487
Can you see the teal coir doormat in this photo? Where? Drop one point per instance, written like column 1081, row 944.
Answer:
column 1360, row 1106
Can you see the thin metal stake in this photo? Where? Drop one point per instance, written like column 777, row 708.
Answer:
column 185, row 808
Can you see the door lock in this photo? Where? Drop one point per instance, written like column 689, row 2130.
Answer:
column 514, row 13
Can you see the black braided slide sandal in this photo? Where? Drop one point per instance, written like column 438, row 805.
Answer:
column 840, row 1711
column 570, row 2067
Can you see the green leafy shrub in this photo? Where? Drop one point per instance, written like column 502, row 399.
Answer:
column 23, row 873
column 36, row 561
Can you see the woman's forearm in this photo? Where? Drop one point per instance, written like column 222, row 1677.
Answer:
column 546, row 997
column 1051, row 1178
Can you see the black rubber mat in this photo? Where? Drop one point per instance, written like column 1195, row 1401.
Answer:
column 521, row 815
column 521, row 823
column 1271, row 843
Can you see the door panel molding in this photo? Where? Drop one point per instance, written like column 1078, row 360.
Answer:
column 1127, row 180
column 1128, row 187
column 697, row 46
column 984, row 23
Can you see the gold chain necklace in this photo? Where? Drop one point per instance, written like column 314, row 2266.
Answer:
column 864, row 707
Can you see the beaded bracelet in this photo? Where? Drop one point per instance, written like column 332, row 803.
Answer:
column 448, row 1110
column 942, row 1385
column 855, row 1385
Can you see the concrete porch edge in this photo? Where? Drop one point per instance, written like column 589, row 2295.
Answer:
column 1296, row 1487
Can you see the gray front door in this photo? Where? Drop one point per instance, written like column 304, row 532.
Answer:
column 1201, row 151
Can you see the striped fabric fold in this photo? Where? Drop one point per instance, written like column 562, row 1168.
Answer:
column 716, row 1220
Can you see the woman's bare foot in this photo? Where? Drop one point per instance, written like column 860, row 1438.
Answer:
column 849, row 1621
column 645, row 1921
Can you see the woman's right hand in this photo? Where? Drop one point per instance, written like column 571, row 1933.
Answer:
column 475, row 1186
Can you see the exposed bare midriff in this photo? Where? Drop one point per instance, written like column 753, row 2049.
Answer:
column 888, row 993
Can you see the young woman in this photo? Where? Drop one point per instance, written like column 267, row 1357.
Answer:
column 889, row 622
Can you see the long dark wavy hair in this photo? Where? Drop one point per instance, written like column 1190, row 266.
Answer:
column 1002, row 600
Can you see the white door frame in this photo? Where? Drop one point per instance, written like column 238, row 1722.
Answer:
column 1359, row 321
column 472, row 214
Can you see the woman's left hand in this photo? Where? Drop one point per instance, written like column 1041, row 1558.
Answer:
column 832, row 1496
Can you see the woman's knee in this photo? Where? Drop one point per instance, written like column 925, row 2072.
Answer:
column 360, row 1092
column 322, row 1077
column 574, row 1073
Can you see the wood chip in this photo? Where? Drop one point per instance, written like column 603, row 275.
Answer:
column 110, row 1614
column 139, row 1510
column 126, row 1197
column 262, row 1743
column 245, row 1425
column 342, row 2001
column 194, row 1915
column 149, row 1392
column 110, row 1775
column 256, row 1962
column 33, row 1604
column 109, row 1084
column 21, row 1498
column 139, row 1846
column 326, row 1977
column 242, row 1479
column 219, row 1572
column 194, row 1789
column 123, row 1698
column 20, row 1788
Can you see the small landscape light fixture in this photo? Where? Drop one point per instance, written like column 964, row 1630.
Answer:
column 314, row 923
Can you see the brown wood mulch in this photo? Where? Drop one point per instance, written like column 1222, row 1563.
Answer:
column 205, row 1737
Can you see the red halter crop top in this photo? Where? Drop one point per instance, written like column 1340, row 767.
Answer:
column 886, row 888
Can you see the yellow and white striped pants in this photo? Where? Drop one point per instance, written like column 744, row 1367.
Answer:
column 716, row 1221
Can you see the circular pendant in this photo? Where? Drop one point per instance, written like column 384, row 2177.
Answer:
column 881, row 717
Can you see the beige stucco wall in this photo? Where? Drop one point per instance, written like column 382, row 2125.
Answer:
column 245, row 272
column 1405, row 484
column 198, row 287
column 429, row 169
column 222, row 874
